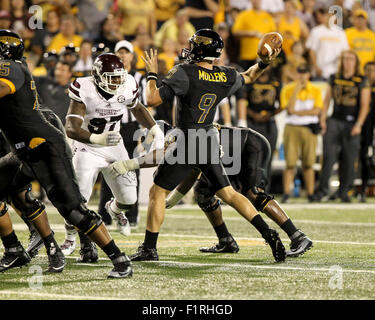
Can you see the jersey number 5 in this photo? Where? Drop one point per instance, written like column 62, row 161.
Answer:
column 206, row 103
column 97, row 125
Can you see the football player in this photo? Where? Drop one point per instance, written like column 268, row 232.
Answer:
column 42, row 148
column 199, row 86
column 98, row 104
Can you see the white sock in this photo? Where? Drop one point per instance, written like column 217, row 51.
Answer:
column 70, row 232
column 115, row 209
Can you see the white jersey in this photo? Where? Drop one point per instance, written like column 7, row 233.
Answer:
column 102, row 114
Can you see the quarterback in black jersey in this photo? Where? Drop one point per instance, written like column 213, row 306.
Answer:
column 198, row 86
column 42, row 148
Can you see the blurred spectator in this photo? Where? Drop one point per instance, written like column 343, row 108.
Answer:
column 182, row 41
column 69, row 54
column 249, row 27
column 361, row 39
column 273, row 6
column 109, row 33
column 295, row 59
column 141, row 43
column 341, row 140
column 367, row 134
column 165, row 10
column 307, row 13
column 83, row 66
column 20, row 19
column 291, row 27
column 5, row 19
column 66, row 36
column 172, row 27
column 258, row 105
column 50, row 60
column 43, row 37
column 134, row 13
column 92, row 13
column 303, row 102
column 325, row 44
column 231, row 44
column 369, row 6
column 53, row 91
column 202, row 12
column 168, row 55
column 61, row 6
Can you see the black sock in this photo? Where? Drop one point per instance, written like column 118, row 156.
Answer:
column 111, row 250
column 221, row 231
column 10, row 241
column 260, row 224
column 289, row 227
column 150, row 239
column 83, row 238
column 51, row 244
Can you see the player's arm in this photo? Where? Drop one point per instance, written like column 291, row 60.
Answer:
column 363, row 110
column 251, row 74
column 143, row 116
column 11, row 79
column 74, row 130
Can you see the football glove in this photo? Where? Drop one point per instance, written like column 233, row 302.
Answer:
column 109, row 138
column 119, row 168
column 155, row 135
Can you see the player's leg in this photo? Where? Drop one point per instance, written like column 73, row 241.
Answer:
column 15, row 255
column 55, row 172
column 210, row 205
column 266, row 203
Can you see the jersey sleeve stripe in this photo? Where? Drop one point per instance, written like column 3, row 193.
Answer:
column 76, row 92
column 76, row 84
column 10, row 84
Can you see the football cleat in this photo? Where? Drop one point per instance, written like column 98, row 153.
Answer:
column 56, row 262
column 122, row 267
column 35, row 244
column 14, row 257
column 123, row 225
column 68, row 247
column 299, row 246
column 145, row 254
column 88, row 252
column 278, row 249
column 225, row 245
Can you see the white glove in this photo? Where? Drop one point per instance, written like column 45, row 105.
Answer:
column 109, row 138
column 157, row 136
column 119, row 168
column 174, row 197
column 242, row 123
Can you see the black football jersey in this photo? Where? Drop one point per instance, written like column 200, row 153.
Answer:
column 346, row 95
column 262, row 96
column 20, row 118
column 198, row 91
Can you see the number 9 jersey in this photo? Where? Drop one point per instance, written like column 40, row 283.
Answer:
column 102, row 114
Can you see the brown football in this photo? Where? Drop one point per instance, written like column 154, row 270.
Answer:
column 269, row 43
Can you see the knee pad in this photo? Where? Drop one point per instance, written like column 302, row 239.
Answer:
column 30, row 208
column 4, row 210
column 83, row 219
column 207, row 204
column 261, row 199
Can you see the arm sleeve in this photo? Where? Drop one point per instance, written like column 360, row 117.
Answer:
column 75, row 91
column 177, row 80
column 135, row 99
column 12, row 75
column 238, row 83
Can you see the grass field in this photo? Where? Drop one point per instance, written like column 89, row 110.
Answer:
column 340, row 266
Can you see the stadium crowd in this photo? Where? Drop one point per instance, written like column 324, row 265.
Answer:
column 324, row 76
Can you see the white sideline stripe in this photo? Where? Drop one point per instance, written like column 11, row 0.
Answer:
column 60, row 228
column 251, row 266
column 56, row 295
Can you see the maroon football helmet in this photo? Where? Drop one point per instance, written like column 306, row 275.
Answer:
column 109, row 73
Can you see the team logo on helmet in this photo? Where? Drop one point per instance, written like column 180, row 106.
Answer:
column 121, row 99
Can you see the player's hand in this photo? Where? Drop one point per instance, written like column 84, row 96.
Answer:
column 356, row 130
column 119, row 168
column 157, row 136
column 109, row 138
column 268, row 59
column 151, row 60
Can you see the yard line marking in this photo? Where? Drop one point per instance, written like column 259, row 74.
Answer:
column 56, row 295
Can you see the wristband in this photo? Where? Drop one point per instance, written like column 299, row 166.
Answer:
column 152, row 76
column 262, row 65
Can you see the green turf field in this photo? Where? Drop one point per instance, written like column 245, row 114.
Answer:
column 340, row 266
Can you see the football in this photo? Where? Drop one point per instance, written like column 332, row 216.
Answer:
column 269, row 43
